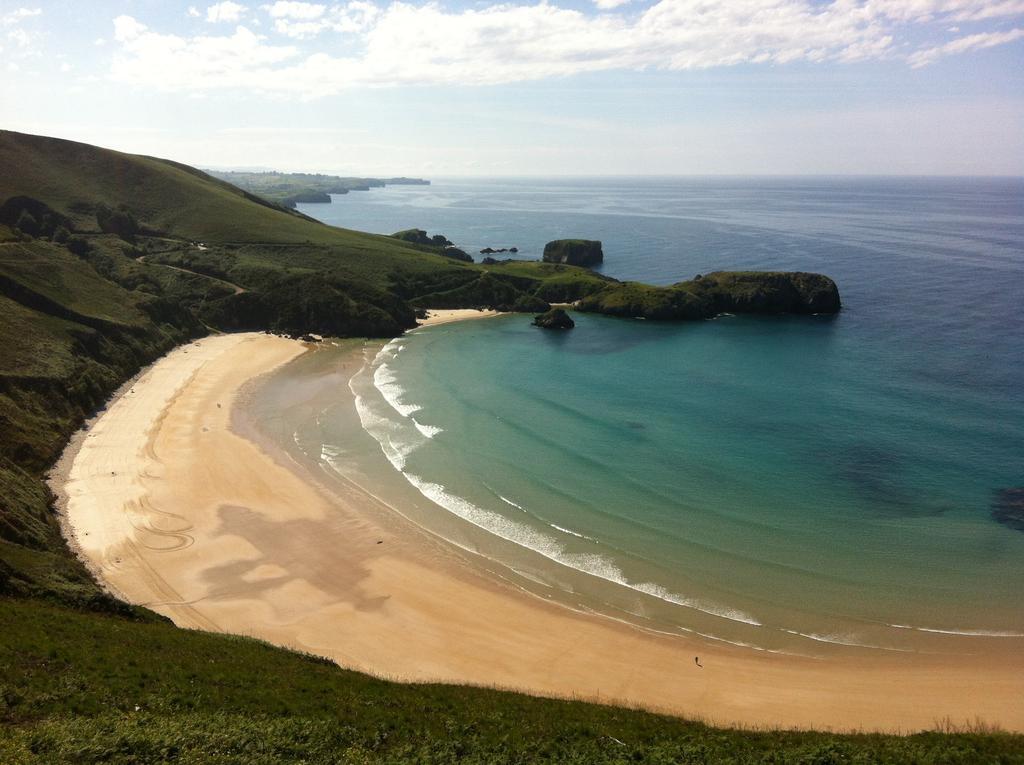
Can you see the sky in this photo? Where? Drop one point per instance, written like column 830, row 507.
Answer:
column 556, row 87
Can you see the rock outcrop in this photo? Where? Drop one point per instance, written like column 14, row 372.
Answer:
column 456, row 254
column 574, row 252
column 419, row 236
column 556, row 318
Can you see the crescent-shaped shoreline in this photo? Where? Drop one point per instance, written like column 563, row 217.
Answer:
column 176, row 508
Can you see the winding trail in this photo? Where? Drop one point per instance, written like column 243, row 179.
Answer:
column 237, row 288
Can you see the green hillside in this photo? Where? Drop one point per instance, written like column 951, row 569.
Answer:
column 187, row 218
column 109, row 260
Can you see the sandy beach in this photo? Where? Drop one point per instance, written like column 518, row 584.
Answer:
column 174, row 509
column 437, row 316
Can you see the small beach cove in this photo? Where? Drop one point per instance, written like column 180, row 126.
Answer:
column 181, row 501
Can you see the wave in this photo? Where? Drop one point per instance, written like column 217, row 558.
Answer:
column 591, row 564
column 385, row 381
column 741, row 644
column 508, row 501
column 504, row 499
column 567, row 531
column 329, row 452
column 843, row 640
column 965, row 633
column 394, row 442
column 573, row 533
column 428, row 430
column 383, row 431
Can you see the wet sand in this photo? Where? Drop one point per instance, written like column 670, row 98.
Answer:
column 174, row 509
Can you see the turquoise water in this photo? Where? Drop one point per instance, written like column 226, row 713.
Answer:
column 784, row 483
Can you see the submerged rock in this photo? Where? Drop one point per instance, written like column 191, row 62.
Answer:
column 574, row 252
column 1008, row 509
column 556, row 318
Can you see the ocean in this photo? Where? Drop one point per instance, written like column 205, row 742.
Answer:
column 790, row 484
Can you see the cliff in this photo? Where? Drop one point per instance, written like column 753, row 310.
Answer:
column 574, row 252
column 752, row 292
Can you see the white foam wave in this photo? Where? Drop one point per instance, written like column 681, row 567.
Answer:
column 388, row 351
column 573, row 533
column 329, row 452
column 726, row 613
column 964, row 633
column 843, row 640
column 428, row 430
column 508, row 501
column 588, row 563
column 385, row 433
column 741, row 644
column 385, row 381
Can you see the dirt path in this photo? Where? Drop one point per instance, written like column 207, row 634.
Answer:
column 238, row 289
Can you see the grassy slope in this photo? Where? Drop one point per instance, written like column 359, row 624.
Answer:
column 186, row 204
column 69, row 337
column 81, row 687
column 75, row 663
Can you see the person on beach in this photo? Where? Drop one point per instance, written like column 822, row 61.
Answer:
column 696, row 660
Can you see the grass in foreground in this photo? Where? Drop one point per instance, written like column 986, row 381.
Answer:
column 85, row 687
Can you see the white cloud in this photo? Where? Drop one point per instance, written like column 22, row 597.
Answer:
column 20, row 38
column 127, row 29
column 177, row 63
column 955, row 10
column 962, row 45
column 303, row 20
column 193, row 12
column 405, row 44
column 66, row 67
column 225, row 11
column 13, row 17
column 99, row 42
column 21, row 43
column 607, row 5
column 283, row 9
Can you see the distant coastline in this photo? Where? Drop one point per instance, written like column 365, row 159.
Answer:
column 291, row 189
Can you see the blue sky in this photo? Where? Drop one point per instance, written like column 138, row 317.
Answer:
column 572, row 87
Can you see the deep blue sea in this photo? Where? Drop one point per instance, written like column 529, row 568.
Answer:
column 783, row 483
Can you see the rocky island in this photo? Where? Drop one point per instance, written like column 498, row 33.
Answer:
column 556, row 318
column 574, row 252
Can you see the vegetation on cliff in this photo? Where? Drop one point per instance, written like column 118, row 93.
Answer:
column 762, row 292
column 574, row 252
